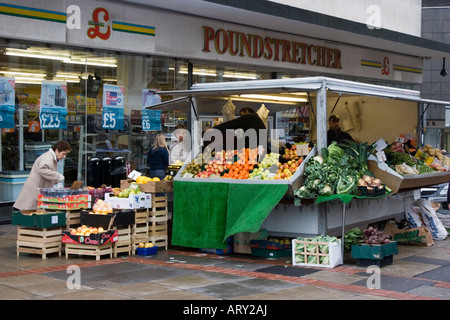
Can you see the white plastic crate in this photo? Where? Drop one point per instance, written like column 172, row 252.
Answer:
column 334, row 254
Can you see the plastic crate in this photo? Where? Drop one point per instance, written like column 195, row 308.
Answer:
column 385, row 261
column 374, row 192
column 302, row 257
column 44, row 220
column 269, row 253
column 147, row 251
column 374, row 251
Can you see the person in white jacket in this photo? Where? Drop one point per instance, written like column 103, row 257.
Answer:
column 43, row 174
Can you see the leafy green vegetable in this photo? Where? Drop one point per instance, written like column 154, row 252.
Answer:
column 353, row 236
column 360, row 152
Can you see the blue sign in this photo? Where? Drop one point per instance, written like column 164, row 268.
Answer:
column 7, row 102
column 113, row 107
column 53, row 112
column 151, row 120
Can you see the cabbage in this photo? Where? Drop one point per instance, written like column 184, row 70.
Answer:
column 299, row 258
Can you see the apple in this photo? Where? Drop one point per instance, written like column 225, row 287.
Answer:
column 141, row 245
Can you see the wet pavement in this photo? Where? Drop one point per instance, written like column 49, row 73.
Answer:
column 417, row 273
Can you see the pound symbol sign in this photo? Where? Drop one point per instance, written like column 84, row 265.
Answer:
column 95, row 30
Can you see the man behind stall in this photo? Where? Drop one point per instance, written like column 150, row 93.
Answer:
column 335, row 133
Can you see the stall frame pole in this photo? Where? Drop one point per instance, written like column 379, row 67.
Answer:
column 321, row 124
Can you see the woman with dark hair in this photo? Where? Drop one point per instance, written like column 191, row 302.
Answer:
column 43, row 174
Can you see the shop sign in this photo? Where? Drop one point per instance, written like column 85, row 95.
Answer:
column 240, row 44
column 113, row 107
column 53, row 109
column 7, row 102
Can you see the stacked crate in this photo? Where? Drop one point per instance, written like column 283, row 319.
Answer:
column 158, row 219
column 38, row 232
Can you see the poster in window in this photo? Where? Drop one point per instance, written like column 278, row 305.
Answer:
column 53, row 111
column 151, row 119
column 113, row 107
column 7, row 102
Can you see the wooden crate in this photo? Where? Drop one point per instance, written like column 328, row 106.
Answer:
column 40, row 241
column 89, row 250
column 73, row 218
column 141, row 216
column 123, row 243
column 159, row 204
column 160, row 241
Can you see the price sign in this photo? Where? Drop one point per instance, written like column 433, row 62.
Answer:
column 53, row 110
column 7, row 103
column 34, row 126
column 151, row 120
column 113, row 107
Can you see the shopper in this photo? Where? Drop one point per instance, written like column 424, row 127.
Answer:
column 158, row 157
column 180, row 147
column 248, row 120
column 335, row 133
column 43, row 174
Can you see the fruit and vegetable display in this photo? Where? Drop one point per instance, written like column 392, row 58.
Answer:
column 125, row 193
column 242, row 164
column 85, row 231
column 145, row 245
column 374, row 236
column 313, row 250
column 337, row 171
column 101, row 207
column 425, row 160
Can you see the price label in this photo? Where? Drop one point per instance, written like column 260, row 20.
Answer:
column 50, row 121
column 113, row 107
column 34, row 126
column 109, row 120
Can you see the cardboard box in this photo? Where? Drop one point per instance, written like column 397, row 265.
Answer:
column 29, row 218
column 302, row 149
column 134, row 201
column 149, row 187
column 397, row 182
column 64, row 206
column 242, row 240
column 106, row 221
column 93, row 239
column 414, row 236
column 68, row 199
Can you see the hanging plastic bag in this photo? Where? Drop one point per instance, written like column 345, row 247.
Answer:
column 228, row 111
column 431, row 220
column 263, row 113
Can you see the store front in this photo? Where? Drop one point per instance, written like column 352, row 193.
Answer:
column 89, row 50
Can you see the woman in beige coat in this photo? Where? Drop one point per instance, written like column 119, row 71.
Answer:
column 43, row 174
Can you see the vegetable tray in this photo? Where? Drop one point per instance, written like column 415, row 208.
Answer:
column 374, row 192
column 374, row 251
column 316, row 254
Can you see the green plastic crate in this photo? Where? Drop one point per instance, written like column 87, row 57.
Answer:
column 46, row 220
column 374, row 251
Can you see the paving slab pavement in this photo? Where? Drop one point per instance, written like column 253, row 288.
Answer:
column 417, row 273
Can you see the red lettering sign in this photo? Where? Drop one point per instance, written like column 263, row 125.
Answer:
column 95, row 31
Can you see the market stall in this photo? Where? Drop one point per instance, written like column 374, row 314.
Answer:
column 208, row 211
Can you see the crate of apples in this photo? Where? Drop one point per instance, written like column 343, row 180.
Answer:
column 145, row 249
